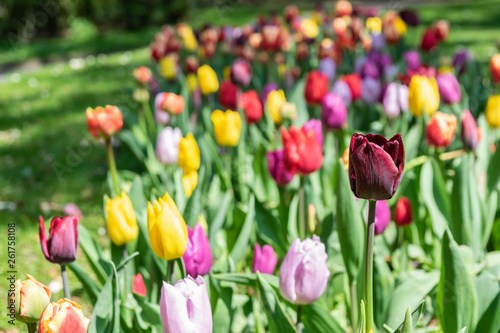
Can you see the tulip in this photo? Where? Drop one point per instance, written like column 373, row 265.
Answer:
column 140, row 95
column 371, row 89
column 252, row 107
column 493, row 111
column 495, row 68
column 268, row 87
column 264, row 260
column 343, row 8
column 316, row 87
column 192, row 64
column 72, row 209
column 161, row 117
column 403, row 215
column 395, row 99
column 423, row 95
column 470, row 133
column 369, row 70
column 65, row 316
column 302, row 152
column 460, row 60
column 142, row 75
column 449, row 88
column 208, row 81
column 30, row 298
column 172, row 103
column 378, row 41
column 333, row 111
column 185, row 307
column 428, row 40
column 382, row 216
column 309, row 29
column 241, row 73
column 274, row 101
column 354, row 83
column 104, row 122
column 168, row 67
column 62, row 244
column 327, row 67
column 138, row 286
column 227, row 95
column 315, row 125
column 412, row 60
column 189, row 182
column 441, row 30
column 167, row 145
column 189, row 153
column 121, row 221
column 227, row 127
column 410, row 17
column 277, row 168
column 303, row 273
column 375, row 166
column 341, row 89
column 271, row 38
column 441, row 129
column 374, row 24
column 198, row 256
column 288, row 111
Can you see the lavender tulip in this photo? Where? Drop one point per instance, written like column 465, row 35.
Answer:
column 161, row 116
column 378, row 41
column 315, row 125
column 359, row 63
column 395, row 99
column 198, row 256
column 333, row 111
column 277, row 168
column 303, row 273
column 412, row 60
column 371, row 89
column 267, row 89
column 370, row 70
column 382, row 216
column 341, row 89
column 264, row 260
column 449, row 88
column 167, row 145
column 327, row 66
column 185, row 307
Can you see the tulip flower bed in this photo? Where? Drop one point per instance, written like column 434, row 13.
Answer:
column 306, row 173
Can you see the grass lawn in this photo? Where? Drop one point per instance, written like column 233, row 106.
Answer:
column 47, row 158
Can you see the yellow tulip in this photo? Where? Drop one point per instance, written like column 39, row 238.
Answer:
column 309, row 28
column 493, row 111
column 423, row 95
column 190, row 42
column 274, row 101
column 167, row 229
column 446, row 69
column 122, row 224
column 226, row 73
column 192, row 82
column 400, row 26
column 374, row 24
column 207, row 79
column 189, row 181
column 227, row 127
column 189, row 154
column 167, row 67
column 282, row 70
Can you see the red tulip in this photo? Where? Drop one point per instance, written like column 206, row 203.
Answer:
column 429, row 40
column 252, row 106
column 403, row 215
column 138, row 286
column 470, row 133
column 271, row 37
column 495, row 68
column 227, row 95
column 375, row 165
column 62, row 244
column 104, row 121
column 316, row 87
column 302, row 152
column 354, row 83
column 192, row 64
column 441, row 30
column 441, row 129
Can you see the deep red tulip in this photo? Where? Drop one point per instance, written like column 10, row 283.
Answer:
column 375, row 165
column 354, row 83
column 403, row 215
column 62, row 244
column 227, row 95
column 316, row 87
column 429, row 40
column 138, row 286
column 192, row 63
column 252, row 106
column 302, row 152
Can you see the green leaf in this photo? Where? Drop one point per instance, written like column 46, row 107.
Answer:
column 103, row 309
column 318, row 319
column 91, row 287
column 488, row 296
column 219, row 219
column 193, row 205
column 493, row 172
column 456, row 296
column 410, row 321
column 248, row 279
column 292, row 219
column 361, row 325
column 240, row 247
column 383, row 287
column 270, row 228
column 94, row 254
column 277, row 318
column 148, row 312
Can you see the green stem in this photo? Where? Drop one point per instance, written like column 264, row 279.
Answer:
column 149, row 118
column 354, row 306
column 370, row 235
column 125, row 256
column 171, row 271
column 302, row 211
column 31, row 327
column 299, row 319
column 112, row 165
column 142, row 122
column 65, row 282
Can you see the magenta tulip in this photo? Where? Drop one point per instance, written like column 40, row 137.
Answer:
column 382, row 216
column 198, row 256
column 62, row 244
column 412, row 60
column 264, row 259
column 333, row 111
column 449, row 88
column 277, row 168
column 375, row 165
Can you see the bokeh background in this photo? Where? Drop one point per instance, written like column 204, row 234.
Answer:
column 57, row 57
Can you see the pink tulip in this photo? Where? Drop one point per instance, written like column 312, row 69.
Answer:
column 264, row 260
column 62, row 244
column 198, row 256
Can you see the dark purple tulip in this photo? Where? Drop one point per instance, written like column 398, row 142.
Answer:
column 412, row 60
column 449, row 88
column 267, row 89
column 333, row 111
column 62, row 244
column 327, row 66
column 369, row 70
column 277, row 168
column 264, row 260
column 370, row 91
column 470, row 133
column 375, row 165
column 241, row 73
column 382, row 216
column 374, row 56
column 410, row 17
column 460, row 60
column 385, row 61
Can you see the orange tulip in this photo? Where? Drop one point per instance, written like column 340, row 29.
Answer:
column 64, row 316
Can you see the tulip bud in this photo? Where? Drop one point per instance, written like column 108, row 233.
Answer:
column 277, row 168
column 227, row 127
column 172, row 103
column 470, row 133
column 382, row 216
column 264, row 260
column 302, row 151
column 189, row 153
column 189, row 182
column 140, row 95
column 241, row 73
column 291, row 12
column 167, row 229
column 333, row 111
column 208, row 81
column 274, row 101
column 185, row 307
column 227, row 95
column 403, row 215
column 30, row 298
column 341, row 89
column 198, row 256
column 138, row 286
column 121, row 221
column 62, row 244
column 168, row 67
column 375, row 166
column 423, row 95
column 460, row 60
column 311, row 218
column 104, row 121
column 441, row 30
column 316, row 87
column 493, row 111
column 495, row 68
column 142, row 75
column 303, row 273
column 449, row 88
column 441, row 129
column 72, row 209
column 252, row 107
column 428, row 40
column 167, row 145
column 63, row 316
